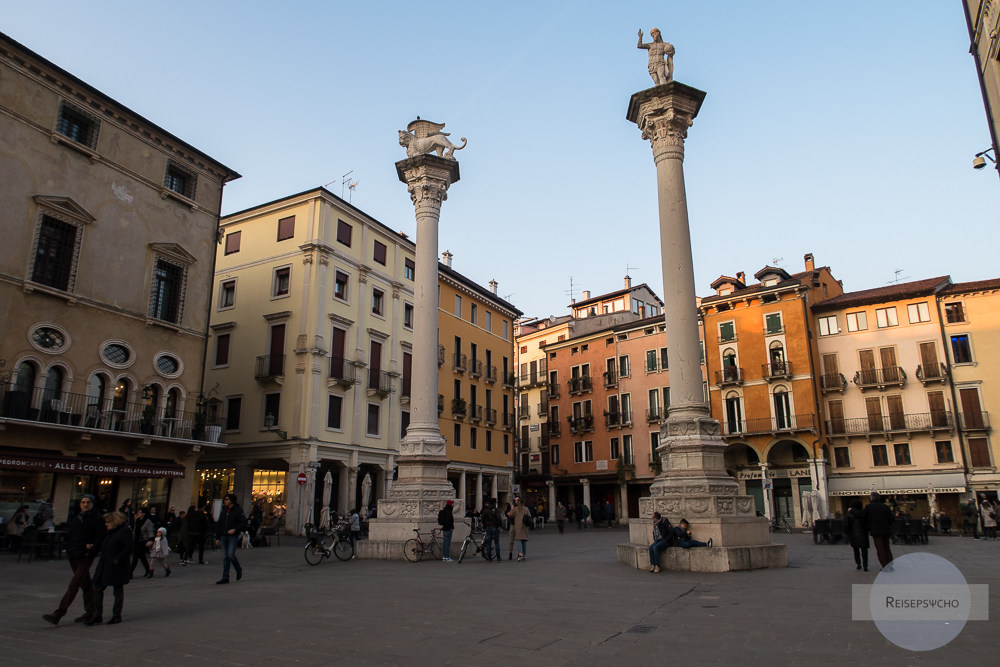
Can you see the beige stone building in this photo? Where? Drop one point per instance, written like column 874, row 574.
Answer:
column 983, row 20
column 110, row 226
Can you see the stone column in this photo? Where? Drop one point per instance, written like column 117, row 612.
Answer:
column 352, row 488
column 479, row 491
column 422, row 486
column 694, row 483
column 243, row 482
column 495, row 493
column 552, row 499
column 461, row 484
column 342, row 489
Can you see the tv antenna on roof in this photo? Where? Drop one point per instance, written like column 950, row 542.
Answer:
column 346, row 183
column 776, row 261
column 895, row 281
column 571, row 292
column 628, row 269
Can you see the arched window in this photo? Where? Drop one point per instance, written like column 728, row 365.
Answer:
column 776, row 353
column 782, row 408
column 97, row 392
column 26, row 376
column 729, row 370
column 52, row 394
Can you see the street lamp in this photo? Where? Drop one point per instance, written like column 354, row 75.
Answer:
column 269, row 425
column 979, row 161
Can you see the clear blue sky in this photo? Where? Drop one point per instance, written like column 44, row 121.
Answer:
column 845, row 129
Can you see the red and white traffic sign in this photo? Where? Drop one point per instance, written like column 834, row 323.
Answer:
column 301, row 479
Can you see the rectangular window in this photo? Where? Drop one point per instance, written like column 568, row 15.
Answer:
column 857, row 321
column 961, row 349
column 902, row 452
column 954, row 312
column 506, row 330
column 979, row 453
column 588, row 451
column 374, row 414
column 282, row 278
column 286, row 228
column 179, row 180
column 457, row 439
column 886, row 317
column 227, row 294
column 650, row 361
column 842, row 456
column 378, row 301
column 554, row 450
column 340, row 286
column 615, row 449
column 168, row 285
column 918, row 312
column 409, row 269
column 408, row 315
column 54, row 254
column 623, row 366
column 701, row 344
column 489, row 441
column 506, row 443
column 458, row 306
column 473, row 313
column 488, row 324
column 272, row 409
column 473, row 433
column 772, row 323
column 234, row 406
column 379, row 253
column 404, row 423
column 627, row 449
column 944, row 451
column 78, row 126
column 663, row 359
column 222, row 350
column 334, row 411
column 233, row 242
column 344, row 233
column 727, row 332
column 828, row 325
column 880, row 456
column 666, row 398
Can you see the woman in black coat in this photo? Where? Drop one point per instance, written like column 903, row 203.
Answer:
column 113, row 568
column 857, row 534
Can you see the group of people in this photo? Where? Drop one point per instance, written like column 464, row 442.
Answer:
column 666, row 535
column 516, row 515
column 874, row 520
column 120, row 540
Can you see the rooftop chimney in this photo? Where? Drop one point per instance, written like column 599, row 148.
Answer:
column 742, row 277
column 446, row 258
column 586, row 294
column 493, row 286
column 810, row 264
column 628, row 282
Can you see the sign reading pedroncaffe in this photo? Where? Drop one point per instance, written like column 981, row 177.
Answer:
column 81, row 466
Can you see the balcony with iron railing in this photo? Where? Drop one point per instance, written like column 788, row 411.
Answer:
column 532, row 379
column 928, row 422
column 930, row 373
column 581, row 424
column 440, row 404
column 440, row 356
column 476, row 413
column 508, row 380
column 728, row 376
column 491, row 374
column 343, row 371
column 459, row 408
column 524, row 412
column 610, row 379
column 379, row 382
column 508, row 421
column 974, row 421
column 459, row 362
column 490, row 416
column 579, row 385
column 879, row 378
column 553, row 428
column 829, row 382
column 475, row 368
column 654, row 415
column 617, row 419
column 773, row 425
column 781, row 370
column 553, row 389
column 405, row 389
column 269, row 367
column 541, row 409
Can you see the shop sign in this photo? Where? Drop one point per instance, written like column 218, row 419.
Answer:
column 773, row 473
column 900, row 492
column 78, row 466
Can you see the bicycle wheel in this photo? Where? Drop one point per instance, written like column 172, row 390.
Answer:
column 465, row 547
column 315, row 553
column 343, row 549
column 788, row 527
column 435, row 549
column 481, row 549
column 413, row 550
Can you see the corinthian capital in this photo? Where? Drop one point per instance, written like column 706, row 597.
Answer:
column 428, row 191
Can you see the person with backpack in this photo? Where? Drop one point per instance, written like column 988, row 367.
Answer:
column 662, row 535
column 446, row 519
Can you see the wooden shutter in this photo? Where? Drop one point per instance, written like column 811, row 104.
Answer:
column 897, row 420
column 972, row 414
column 873, row 405
column 929, row 361
column 276, row 365
column 890, row 371
column 979, row 453
column 836, row 410
column 939, row 415
column 868, row 374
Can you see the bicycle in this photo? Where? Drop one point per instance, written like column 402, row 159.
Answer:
column 415, row 548
column 317, row 548
column 475, row 538
column 779, row 523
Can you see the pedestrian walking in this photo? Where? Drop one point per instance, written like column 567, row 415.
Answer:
column 197, row 527
column 159, row 551
column 560, row 516
column 83, row 543
column 988, row 512
column 609, row 512
column 491, row 523
column 857, row 534
column 143, row 533
column 520, row 525
column 228, row 529
column 112, row 568
column 355, row 524
column 571, row 515
column 129, row 513
column 583, row 516
column 662, row 536
column 446, row 519
column 878, row 518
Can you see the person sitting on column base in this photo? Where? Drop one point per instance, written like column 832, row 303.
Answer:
column 682, row 535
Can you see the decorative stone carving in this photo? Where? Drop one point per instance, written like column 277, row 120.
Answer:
column 724, row 504
column 744, row 504
column 661, row 57
column 697, row 505
column 423, row 136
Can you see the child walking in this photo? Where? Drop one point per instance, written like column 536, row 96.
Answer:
column 159, row 551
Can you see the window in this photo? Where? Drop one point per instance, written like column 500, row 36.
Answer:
column 222, row 349
column 627, row 449
column 234, row 406
column 168, row 290
column 473, row 432
column 828, row 325
column 334, row 410
column 506, row 443
column 615, row 449
column 457, row 439
column 554, row 451
column 168, row 365
column 272, row 408
column 772, row 323
column 458, row 305
column 663, row 358
column 378, row 301
column 55, row 255
column 918, row 312
column 623, row 366
column 944, row 451
column 727, row 332
column 961, row 349
column 340, row 286
column 344, row 233
column 77, row 125
column 879, row 455
column 374, row 414
column 583, row 452
column 233, row 242
column 666, row 398
column 409, row 268
column 842, row 456
column 506, row 330
column 473, row 314
column 179, row 180
column 408, row 315
column 282, row 278
column 902, row 452
column 701, row 344
column 227, row 294
column 379, row 253
column 954, row 312
column 857, row 321
column 404, row 423
column 886, row 317
column 979, row 453
column 117, row 355
column 650, row 361
column 286, row 228
column 489, row 441
column 488, row 324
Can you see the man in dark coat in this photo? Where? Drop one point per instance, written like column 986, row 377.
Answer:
column 85, row 533
column 878, row 517
column 113, row 568
column 232, row 522
column 857, row 533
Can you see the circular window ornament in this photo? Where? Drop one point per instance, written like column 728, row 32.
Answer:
column 49, row 338
column 117, row 354
column 168, row 365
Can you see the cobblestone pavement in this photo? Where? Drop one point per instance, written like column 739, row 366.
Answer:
column 568, row 603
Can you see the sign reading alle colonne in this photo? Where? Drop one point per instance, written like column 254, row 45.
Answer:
column 92, row 467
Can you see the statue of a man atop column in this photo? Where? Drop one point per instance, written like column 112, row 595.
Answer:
column 661, row 57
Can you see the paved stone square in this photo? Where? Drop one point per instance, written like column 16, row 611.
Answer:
column 568, row 603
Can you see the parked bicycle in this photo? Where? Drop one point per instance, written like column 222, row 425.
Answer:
column 779, row 523
column 319, row 548
column 416, row 548
column 476, row 540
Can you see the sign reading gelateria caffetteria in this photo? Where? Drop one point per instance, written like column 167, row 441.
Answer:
column 81, row 466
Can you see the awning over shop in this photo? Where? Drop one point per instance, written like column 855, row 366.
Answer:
column 84, row 466
column 952, row 482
